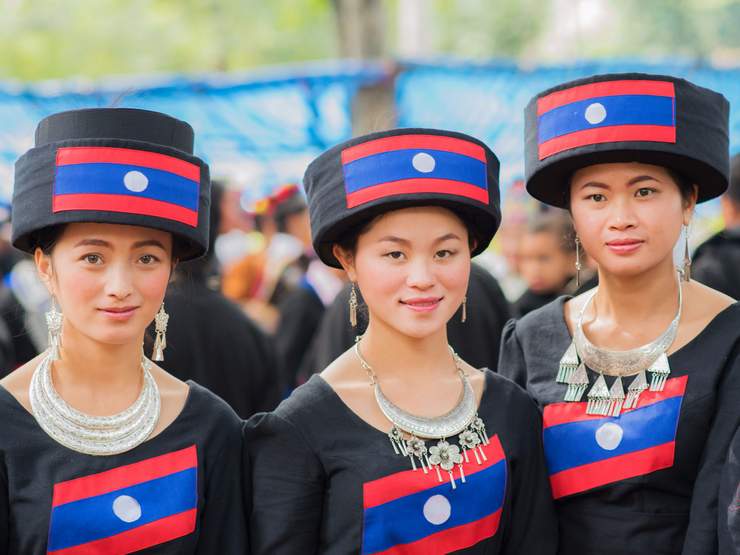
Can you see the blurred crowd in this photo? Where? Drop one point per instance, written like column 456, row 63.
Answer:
column 260, row 314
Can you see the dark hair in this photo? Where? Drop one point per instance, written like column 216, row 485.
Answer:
column 557, row 223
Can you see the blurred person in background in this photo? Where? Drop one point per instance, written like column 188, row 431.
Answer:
column 716, row 262
column 212, row 341
column 547, row 257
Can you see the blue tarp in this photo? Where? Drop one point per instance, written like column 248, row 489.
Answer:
column 261, row 128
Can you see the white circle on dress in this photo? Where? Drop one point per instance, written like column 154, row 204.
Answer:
column 609, row 436
column 437, row 510
column 127, row 508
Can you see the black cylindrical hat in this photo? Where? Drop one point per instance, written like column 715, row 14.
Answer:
column 357, row 180
column 113, row 165
column 631, row 117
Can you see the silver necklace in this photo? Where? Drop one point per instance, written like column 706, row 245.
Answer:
column 409, row 432
column 94, row 435
column 610, row 401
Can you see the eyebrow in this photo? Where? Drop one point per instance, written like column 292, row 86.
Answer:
column 394, row 239
column 102, row 243
column 633, row 181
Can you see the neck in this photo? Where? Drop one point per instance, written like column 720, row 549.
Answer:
column 639, row 298
column 391, row 353
column 97, row 365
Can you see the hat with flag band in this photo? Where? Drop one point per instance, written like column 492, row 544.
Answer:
column 355, row 181
column 632, row 117
column 113, row 165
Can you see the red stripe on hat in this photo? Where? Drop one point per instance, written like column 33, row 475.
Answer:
column 611, row 134
column 141, row 537
column 126, row 204
column 108, row 155
column 417, row 185
column 418, row 142
column 604, row 88
column 614, row 469
column 401, row 484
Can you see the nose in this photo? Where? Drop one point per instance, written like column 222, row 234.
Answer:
column 119, row 281
column 622, row 215
column 421, row 275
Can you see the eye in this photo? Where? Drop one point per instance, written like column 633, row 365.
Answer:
column 597, row 197
column 94, row 259
column 445, row 253
column 148, row 259
column 645, row 191
column 395, row 255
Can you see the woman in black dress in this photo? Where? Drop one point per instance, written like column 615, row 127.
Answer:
column 102, row 451
column 358, row 459
column 639, row 379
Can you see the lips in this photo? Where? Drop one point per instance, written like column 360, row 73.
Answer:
column 422, row 304
column 119, row 312
column 624, row 246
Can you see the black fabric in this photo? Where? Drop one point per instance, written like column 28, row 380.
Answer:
column 311, row 457
column 701, row 150
column 35, row 172
column 14, row 316
column 729, row 501
column 668, row 511
column 716, row 262
column 211, row 340
column 327, row 201
column 476, row 340
column 529, row 301
column 31, row 463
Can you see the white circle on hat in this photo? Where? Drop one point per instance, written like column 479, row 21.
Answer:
column 609, row 436
column 595, row 113
column 437, row 510
column 423, row 162
column 135, row 181
column 127, row 508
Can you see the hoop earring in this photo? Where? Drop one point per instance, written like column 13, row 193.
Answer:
column 54, row 324
column 353, row 306
column 686, row 267
column 160, row 327
column 578, row 262
column 464, row 309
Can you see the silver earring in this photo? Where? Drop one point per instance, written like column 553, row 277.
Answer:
column 686, row 267
column 464, row 309
column 578, row 262
column 160, row 327
column 54, row 324
column 353, row 306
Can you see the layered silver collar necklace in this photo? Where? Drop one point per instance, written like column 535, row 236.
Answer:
column 409, row 432
column 94, row 435
column 610, row 401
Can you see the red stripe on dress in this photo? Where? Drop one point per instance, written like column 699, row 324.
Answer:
column 417, row 142
column 417, row 185
column 408, row 482
column 124, row 476
column 608, row 471
column 608, row 134
column 147, row 535
column 604, row 88
column 108, row 155
column 127, row 204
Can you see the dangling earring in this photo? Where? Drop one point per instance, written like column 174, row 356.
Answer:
column 54, row 324
column 160, row 327
column 353, row 306
column 686, row 267
column 464, row 309
column 578, row 262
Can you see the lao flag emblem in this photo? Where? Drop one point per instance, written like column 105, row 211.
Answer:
column 606, row 112
column 126, row 180
column 408, row 164
column 411, row 513
column 586, row 451
column 126, row 509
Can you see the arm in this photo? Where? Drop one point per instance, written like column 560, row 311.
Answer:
column 287, row 488
column 701, row 535
column 511, row 356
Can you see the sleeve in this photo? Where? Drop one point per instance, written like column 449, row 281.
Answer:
column 702, row 533
column 729, row 502
column 266, row 391
column 532, row 522
column 223, row 526
column 511, row 356
column 287, row 488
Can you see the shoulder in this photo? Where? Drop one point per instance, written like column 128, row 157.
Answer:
column 17, row 382
column 543, row 318
column 705, row 304
column 505, row 391
column 210, row 408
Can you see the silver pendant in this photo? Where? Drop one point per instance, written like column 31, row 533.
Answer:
column 577, row 384
column 568, row 364
column 638, row 385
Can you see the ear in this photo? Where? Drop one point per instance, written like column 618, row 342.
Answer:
column 347, row 260
column 690, row 204
column 44, row 269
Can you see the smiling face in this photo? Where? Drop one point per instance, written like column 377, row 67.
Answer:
column 412, row 267
column 628, row 216
column 109, row 280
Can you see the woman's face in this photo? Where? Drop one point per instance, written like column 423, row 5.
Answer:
column 412, row 267
column 108, row 279
column 628, row 216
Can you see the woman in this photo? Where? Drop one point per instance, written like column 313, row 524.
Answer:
column 640, row 378
column 102, row 451
column 359, row 459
